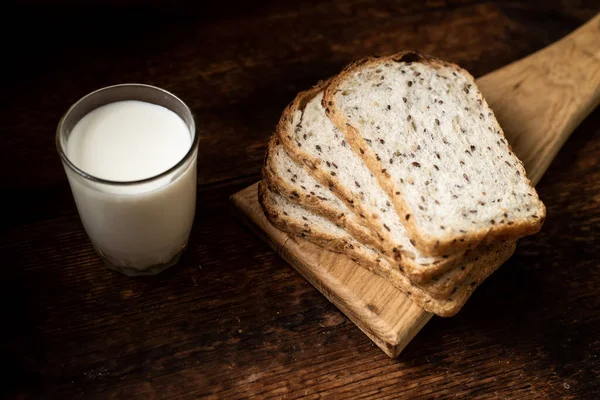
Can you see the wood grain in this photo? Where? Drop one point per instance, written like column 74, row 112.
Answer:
column 245, row 324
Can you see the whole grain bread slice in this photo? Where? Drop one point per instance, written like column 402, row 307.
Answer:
column 283, row 176
column 312, row 140
column 294, row 219
column 425, row 131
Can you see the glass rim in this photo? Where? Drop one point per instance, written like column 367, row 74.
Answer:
column 79, row 171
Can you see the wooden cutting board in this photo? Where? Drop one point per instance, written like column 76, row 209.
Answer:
column 538, row 100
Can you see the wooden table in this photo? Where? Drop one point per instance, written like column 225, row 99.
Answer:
column 232, row 319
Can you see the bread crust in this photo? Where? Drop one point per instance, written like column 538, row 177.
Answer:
column 425, row 243
column 442, row 307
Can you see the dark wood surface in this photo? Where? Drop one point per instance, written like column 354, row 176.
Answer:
column 232, row 319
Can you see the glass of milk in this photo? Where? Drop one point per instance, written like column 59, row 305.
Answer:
column 129, row 152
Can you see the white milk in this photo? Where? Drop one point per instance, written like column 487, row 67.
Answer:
column 145, row 224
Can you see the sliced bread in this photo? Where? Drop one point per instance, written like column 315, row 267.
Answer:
column 425, row 131
column 297, row 220
column 282, row 175
column 312, row 140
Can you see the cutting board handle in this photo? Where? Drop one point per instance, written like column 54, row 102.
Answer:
column 540, row 99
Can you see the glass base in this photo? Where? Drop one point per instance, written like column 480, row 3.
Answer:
column 151, row 270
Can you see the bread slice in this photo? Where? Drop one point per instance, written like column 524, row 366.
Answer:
column 425, row 131
column 311, row 139
column 283, row 176
column 293, row 218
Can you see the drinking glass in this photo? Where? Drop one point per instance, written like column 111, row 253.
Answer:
column 137, row 227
